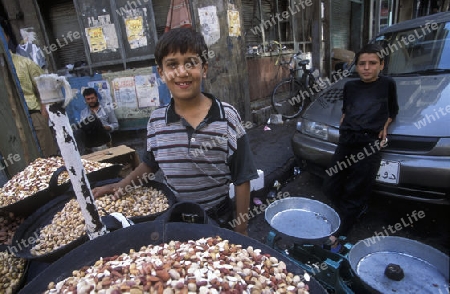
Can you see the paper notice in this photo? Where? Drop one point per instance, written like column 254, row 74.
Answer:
column 125, row 92
column 209, row 23
column 135, row 32
column 96, row 39
column 234, row 23
column 147, row 90
column 101, row 34
column 112, row 43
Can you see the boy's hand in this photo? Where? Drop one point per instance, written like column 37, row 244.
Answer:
column 382, row 136
column 383, row 133
column 107, row 189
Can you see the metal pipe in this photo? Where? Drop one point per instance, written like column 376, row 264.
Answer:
column 263, row 35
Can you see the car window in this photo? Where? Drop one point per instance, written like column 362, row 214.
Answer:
column 422, row 50
column 445, row 55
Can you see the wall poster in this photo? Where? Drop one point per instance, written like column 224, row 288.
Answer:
column 101, row 34
column 135, row 32
column 125, row 92
column 234, row 23
column 209, row 23
column 96, row 39
column 147, row 90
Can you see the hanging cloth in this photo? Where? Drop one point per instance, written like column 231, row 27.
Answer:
column 179, row 15
column 33, row 52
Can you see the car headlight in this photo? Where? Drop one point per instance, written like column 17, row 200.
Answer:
column 315, row 129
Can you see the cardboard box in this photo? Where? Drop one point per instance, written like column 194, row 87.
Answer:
column 122, row 154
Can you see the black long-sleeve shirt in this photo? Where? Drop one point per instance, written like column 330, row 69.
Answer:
column 367, row 106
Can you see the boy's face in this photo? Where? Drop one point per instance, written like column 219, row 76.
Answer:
column 183, row 74
column 369, row 67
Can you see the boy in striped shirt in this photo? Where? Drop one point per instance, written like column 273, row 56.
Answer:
column 197, row 141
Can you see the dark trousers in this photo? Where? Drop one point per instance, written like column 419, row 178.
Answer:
column 46, row 140
column 222, row 213
column 86, row 140
column 350, row 179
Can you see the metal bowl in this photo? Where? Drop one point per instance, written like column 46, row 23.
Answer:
column 426, row 269
column 302, row 220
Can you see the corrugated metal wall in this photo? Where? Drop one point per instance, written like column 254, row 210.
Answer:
column 161, row 8
column 63, row 19
column 340, row 24
column 252, row 18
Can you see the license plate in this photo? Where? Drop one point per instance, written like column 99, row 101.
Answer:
column 388, row 172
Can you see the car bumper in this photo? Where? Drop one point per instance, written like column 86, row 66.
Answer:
column 421, row 178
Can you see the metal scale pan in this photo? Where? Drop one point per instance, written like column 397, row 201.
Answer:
column 425, row 269
column 302, row 220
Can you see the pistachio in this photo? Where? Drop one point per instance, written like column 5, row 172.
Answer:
column 139, row 201
column 8, row 225
column 36, row 177
column 11, row 272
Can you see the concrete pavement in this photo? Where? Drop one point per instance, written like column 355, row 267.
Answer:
column 273, row 153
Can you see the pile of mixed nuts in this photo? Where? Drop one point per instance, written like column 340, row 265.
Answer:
column 207, row 265
column 36, row 177
column 11, row 272
column 8, row 225
column 68, row 224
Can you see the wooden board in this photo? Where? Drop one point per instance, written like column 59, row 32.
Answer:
column 122, row 154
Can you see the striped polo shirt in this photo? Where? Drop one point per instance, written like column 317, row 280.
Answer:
column 199, row 164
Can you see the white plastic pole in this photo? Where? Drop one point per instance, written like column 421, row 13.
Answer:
column 49, row 87
column 74, row 166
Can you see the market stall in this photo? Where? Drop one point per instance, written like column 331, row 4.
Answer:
column 171, row 253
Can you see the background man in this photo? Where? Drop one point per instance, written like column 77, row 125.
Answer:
column 97, row 122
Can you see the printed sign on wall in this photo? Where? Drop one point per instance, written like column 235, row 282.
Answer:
column 125, row 92
column 147, row 90
column 209, row 22
column 234, row 23
column 101, row 34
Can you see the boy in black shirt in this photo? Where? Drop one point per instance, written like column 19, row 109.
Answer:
column 369, row 106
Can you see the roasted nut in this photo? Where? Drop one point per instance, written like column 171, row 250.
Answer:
column 11, row 271
column 8, row 225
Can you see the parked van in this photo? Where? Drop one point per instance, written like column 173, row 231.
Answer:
column 416, row 163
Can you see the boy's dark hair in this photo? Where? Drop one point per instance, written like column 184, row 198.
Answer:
column 181, row 40
column 370, row 48
column 89, row 91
